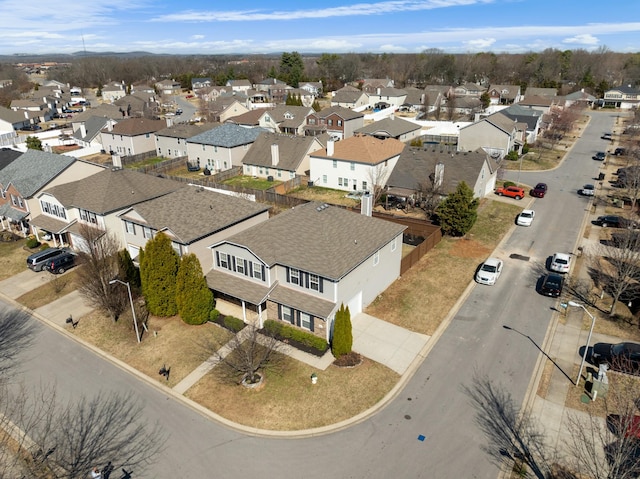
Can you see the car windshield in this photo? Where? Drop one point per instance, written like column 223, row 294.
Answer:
column 561, row 261
column 526, row 215
column 552, row 282
column 489, row 268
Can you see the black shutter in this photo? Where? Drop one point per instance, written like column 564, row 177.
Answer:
column 306, row 280
column 264, row 277
column 320, row 285
column 217, row 259
column 232, row 265
column 280, row 312
column 311, row 323
column 297, row 316
column 246, row 268
column 288, row 278
column 251, row 268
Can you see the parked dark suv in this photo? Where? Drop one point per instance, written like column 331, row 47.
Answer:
column 59, row 264
column 614, row 221
column 38, row 261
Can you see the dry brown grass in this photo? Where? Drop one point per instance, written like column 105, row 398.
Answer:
column 422, row 309
column 323, row 195
column 59, row 286
column 13, row 257
column 545, row 379
column 339, row 394
column 169, row 342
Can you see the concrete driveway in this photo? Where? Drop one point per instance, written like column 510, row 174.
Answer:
column 386, row 343
column 22, row 283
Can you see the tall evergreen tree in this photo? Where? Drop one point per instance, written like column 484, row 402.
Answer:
column 128, row 270
column 193, row 297
column 158, row 271
column 342, row 341
column 459, row 211
column 291, row 68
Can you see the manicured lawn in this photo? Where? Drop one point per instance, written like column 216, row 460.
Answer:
column 324, row 195
column 13, row 257
column 59, row 286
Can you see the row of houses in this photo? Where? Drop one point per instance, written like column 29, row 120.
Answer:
column 298, row 266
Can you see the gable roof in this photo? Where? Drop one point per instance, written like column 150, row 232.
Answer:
column 523, row 114
column 209, row 212
column 539, row 91
column 344, row 113
column 7, row 155
column 501, row 121
column 391, row 126
column 415, row 166
column 12, row 116
column 506, row 91
column 347, row 96
column 537, row 100
column 185, row 130
column 136, row 126
column 249, row 118
column 32, row 170
column 291, row 151
column 105, row 110
column 227, row 135
column 92, row 126
column 111, row 190
column 363, row 149
column 328, row 241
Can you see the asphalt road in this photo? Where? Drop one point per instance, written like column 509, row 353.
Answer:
column 432, row 405
column 188, row 110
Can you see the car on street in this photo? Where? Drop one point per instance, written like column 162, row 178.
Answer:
column 600, row 156
column 539, row 190
column 551, row 285
column 560, row 262
column 587, row 190
column 525, row 218
column 623, row 357
column 179, row 111
column 511, row 191
column 489, row 271
column 607, row 136
column 612, row 221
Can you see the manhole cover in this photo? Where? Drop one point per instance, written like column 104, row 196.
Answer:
column 519, row 256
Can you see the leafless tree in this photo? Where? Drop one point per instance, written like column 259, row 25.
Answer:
column 247, row 354
column 430, row 194
column 15, row 335
column 377, row 178
column 451, row 107
column 99, row 257
column 615, row 266
column 511, row 433
column 52, row 439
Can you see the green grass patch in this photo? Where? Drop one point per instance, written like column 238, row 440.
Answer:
column 146, row 162
column 251, row 182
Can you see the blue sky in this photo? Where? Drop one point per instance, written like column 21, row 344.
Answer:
column 394, row 26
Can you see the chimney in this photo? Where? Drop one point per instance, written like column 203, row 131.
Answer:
column 109, row 125
column 275, row 154
column 330, row 147
column 366, row 205
column 378, row 91
column 83, row 130
column 439, row 175
column 169, row 121
column 26, row 114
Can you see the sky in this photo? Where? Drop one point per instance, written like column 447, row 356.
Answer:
column 329, row 26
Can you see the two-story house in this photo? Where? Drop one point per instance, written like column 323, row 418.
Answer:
column 169, row 87
column 131, row 136
column 96, row 200
column 280, row 157
column 371, row 85
column 390, row 97
column 113, row 91
column 171, row 142
column 211, row 218
column 624, row 97
column 313, row 87
column 349, row 97
column 391, row 127
column 198, row 83
column 504, row 94
column 222, row 147
column 357, row 164
column 275, row 89
column 302, row 264
column 338, row 122
column 87, row 134
column 28, row 175
column 496, row 134
column 243, row 85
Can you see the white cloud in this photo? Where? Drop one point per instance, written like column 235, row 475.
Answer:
column 357, row 9
column 582, row 39
column 480, row 43
column 392, row 48
column 197, row 37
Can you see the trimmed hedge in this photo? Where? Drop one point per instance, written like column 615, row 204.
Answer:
column 213, row 315
column 508, row 183
column 32, row 242
column 233, row 323
column 283, row 331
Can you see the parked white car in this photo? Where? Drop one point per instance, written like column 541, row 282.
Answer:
column 489, row 272
column 525, row 218
column 560, row 262
column 588, row 190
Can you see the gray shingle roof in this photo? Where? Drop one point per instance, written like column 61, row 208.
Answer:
column 291, row 151
column 92, row 127
column 185, row 130
column 416, row 164
column 191, row 213
column 227, row 135
column 32, row 170
column 343, row 112
column 392, row 127
column 112, row 190
column 330, row 242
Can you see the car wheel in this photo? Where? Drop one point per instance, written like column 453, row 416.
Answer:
column 60, row 270
column 604, row 225
column 499, row 194
column 518, row 197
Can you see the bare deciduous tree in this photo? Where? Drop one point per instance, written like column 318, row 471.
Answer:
column 511, row 433
column 15, row 336
column 52, row 439
column 377, row 177
column 247, row 354
column 99, row 257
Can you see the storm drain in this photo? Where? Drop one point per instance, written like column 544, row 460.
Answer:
column 519, row 256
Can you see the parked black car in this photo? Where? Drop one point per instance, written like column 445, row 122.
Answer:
column 59, row 264
column 552, row 284
column 600, row 156
column 622, row 356
column 619, row 151
column 614, row 221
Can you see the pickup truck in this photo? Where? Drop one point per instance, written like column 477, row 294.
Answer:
column 511, row 191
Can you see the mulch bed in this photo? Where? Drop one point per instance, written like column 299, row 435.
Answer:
column 349, row 360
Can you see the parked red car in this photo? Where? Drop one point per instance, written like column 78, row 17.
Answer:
column 511, row 191
column 539, row 190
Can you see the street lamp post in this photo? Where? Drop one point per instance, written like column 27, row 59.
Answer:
column 133, row 310
column 593, row 323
